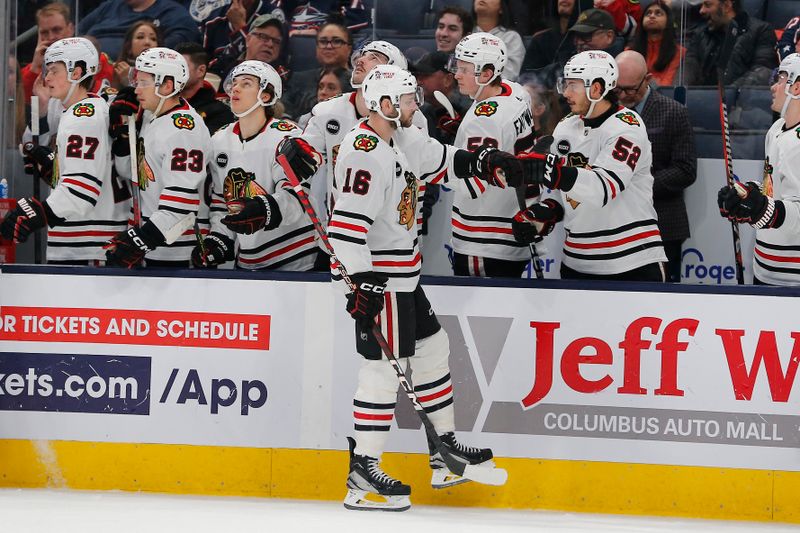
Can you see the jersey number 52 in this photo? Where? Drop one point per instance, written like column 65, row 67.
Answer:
column 626, row 152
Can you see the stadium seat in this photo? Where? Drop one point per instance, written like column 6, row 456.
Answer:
column 780, row 11
column 708, row 143
column 302, row 52
column 413, row 46
column 752, row 110
column 403, row 16
column 439, row 4
column 703, row 104
column 755, row 8
column 748, row 144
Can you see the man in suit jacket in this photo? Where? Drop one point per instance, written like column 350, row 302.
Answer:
column 674, row 160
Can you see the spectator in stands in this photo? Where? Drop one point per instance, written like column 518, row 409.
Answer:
column 674, row 161
column 553, row 44
column 264, row 42
column 656, row 40
column 453, row 24
column 226, row 29
column 626, row 15
column 333, row 81
column 544, row 109
column 54, row 23
column 109, row 22
column 308, row 17
column 492, row 16
column 200, row 93
column 141, row 36
column 789, row 42
column 752, row 57
column 334, row 47
column 432, row 75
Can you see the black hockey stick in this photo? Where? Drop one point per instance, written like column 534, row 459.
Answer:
column 537, row 268
column 37, row 191
column 136, row 192
column 487, row 476
column 724, row 55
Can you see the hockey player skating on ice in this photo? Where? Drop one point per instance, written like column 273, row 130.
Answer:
column 373, row 231
column 772, row 207
column 500, row 116
column 172, row 152
column 274, row 233
column 86, row 207
column 600, row 163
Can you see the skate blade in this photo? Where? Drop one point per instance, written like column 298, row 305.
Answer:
column 361, row 500
column 442, row 478
column 486, row 475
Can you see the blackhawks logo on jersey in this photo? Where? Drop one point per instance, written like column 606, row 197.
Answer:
column 408, row 202
column 183, row 121
column 83, row 110
column 146, row 174
column 365, row 142
column 578, row 160
column 282, row 125
column 241, row 184
column 486, row 109
column 797, row 131
column 628, row 118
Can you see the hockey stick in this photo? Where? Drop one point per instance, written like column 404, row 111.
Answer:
column 724, row 55
column 135, row 190
column 445, row 102
column 37, row 191
column 487, row 476
column 537, row 268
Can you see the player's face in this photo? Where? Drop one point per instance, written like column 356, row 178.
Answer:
column 779, row 92
column 244, row 92
column 465, row 76
column 408, row 106
column 449, row 32
column 145, row 87
column 56, row 80
column 575, row 94
column 365, row 62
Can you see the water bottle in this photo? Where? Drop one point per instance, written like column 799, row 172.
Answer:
column 3, row 188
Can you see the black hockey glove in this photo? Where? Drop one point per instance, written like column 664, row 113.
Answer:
column 488, row 164
column 366, row 301
column 746, row 204
column 28, row 216
column 449, row 124
column 537, row 220
column 124, row 105
column 301, row 156
column 547, row 169
column 39, row 162
column 128, row 248
column 249, row 215
column 215, row 249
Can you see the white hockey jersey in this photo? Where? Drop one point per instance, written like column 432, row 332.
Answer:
column 247, row 167
column 94, row 204
column 173, row 151
column 373, row 225
column 609, row 217
column 776, row 258
column 482, row 215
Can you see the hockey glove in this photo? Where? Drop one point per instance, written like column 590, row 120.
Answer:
column 366, row 301
column 128, row 248
column 124, row 105
column 449, row 124
column 215, row 249
column 548, row 170
column 746, row 204
column 249, row 215
column 29, row 215
column 537, row 220
column 39, row 162
column 488, row 164
column 302, row 157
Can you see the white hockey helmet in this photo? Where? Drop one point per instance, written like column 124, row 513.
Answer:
column 389, row 81
column 590, row 66
column 71, row 51
column 266, row 76
column 392, row 54
column 162, row 62
column 483, row 49
column 791, row 66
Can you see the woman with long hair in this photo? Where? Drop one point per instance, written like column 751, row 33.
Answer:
column 141, row 36
column 656, row 39
column 493, row 16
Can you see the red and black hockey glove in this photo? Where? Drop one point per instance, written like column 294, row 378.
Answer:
column 449, row 124
column 746, row 204
column 249, row 215
column 125, row 104
column 537, row 220
column 215, row 250
column 301, row 156
column 547, row 169
column 128, row 248
column 366, row 301
column 489, row 164
column 28, row 216
column 39, row 162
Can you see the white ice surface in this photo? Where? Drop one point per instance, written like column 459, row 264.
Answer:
column 61, row 511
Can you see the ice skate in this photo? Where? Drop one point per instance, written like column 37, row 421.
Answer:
column 442, row 477
column 370, row 489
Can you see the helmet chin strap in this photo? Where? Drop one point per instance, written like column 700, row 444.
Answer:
column 592, row 101
column 396, row 119
column 73, row 84
column 789, row 98
column 259, row 103
column 161, row 100
column 481, row 86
